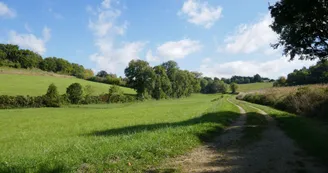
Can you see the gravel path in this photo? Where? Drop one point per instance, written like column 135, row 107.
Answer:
column 275, row 153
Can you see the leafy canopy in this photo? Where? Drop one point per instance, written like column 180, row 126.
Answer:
column 302, row 27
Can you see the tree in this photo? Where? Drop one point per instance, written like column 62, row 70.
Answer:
column 3, row 55
column 88, row 90
column 280, row 82
column 181, row 84
column 49, row 64
column 302, row 27
column 257, row 78
column 63, row 66
column 102, row 73
column 194, row 82
column 141, row 77
column 52, row 98
column 233, row 87
column 163, row 86
column 78, row 70
column 28, row 59
column 222, row 87
column 171, row 68
column 88, row 73
column 75, row 93
column 203, row 84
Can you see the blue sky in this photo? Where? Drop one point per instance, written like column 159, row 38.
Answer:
column 218, row 38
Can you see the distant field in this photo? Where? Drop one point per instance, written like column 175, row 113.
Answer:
column 254, row 86
column 108, row 138
column 35, row 83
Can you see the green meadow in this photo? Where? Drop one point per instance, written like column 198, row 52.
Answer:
column 114, row 137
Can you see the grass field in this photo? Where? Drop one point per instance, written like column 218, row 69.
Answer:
column 36, row 85
column 254, row 86
column 117, row 137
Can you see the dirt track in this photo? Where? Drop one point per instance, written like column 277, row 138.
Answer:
column 275, row 152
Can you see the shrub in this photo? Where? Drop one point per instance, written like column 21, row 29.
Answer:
column 117, row 98
column 75, row 93
column 233, row 87
column 52, row 98
column 8, row 102
column 116, row 95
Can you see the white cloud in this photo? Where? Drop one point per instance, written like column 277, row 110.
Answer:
column 7, row 12
column 111, row 56
column 178, row 49
column 200, row 13
column 272, row 68
column 150, row 57
column 251, row 38
column 30, row 41
column 115, row 60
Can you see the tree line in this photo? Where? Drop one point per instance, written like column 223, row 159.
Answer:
column 75, row 94
column 13, row 56
column 246, row 79
column 316, row 74
column 160, row 82
column 169, row 81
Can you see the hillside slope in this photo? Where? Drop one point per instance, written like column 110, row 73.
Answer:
column 35, row 84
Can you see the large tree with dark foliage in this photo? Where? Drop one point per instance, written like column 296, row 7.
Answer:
column 302, row 27
column 141, row 77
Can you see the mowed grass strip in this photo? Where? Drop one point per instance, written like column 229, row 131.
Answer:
column 126, row 138
column 308, row 133
column 33, row 85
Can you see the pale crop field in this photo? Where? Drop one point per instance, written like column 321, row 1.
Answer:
column 115, row 137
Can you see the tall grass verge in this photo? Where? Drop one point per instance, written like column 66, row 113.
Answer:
column 311, row 101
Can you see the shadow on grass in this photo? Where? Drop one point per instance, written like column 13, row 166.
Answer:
column 308, row 133
column 221, row 118
column 218, row 118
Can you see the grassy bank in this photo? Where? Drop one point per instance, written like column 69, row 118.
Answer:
column 117, row 137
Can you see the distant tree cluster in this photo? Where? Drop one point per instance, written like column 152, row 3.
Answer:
column 108, row 78
column 163, row 81
column 210, row 86
column 245, row 79
column 315, row 74
column 12, row 56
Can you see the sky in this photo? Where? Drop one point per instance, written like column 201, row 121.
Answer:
column 219, row 38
